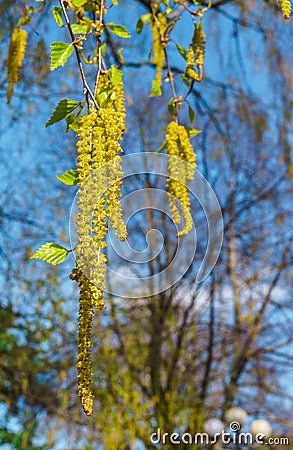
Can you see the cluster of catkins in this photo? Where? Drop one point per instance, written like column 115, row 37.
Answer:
column 99, row 178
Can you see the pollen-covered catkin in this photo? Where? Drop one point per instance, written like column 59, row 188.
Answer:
column 195, row 54
column 15, row 58
column 158, row 29
column 181, row 165
column 99, row 178
column 84, row 365
column 285, row 6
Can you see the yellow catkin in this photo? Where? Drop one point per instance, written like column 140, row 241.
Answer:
column 285, row 6
column 85, row 319
column 15, row 58
column 119, row 100
column 115, row 121
column 180, row 152
column 195, row 54
column 99, row 179
column 158, row 29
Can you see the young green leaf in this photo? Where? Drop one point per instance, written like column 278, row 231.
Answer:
column 119, row 30
column 57, row 14
column 104, row 96
column 78, row 28
column 103, row 48
column 23, row 21
column 70, row 178
column 63, row 108
column 191, row 114
column 181, row 50
column 51, row 253
column 156, row 89
column 139, row 26
column 163, row 146
column 79, row 2
column 115, row 75
column 72, row 122
column 60, row 53
column 141, row 21
column 192, row 131
column 185, row 80
column 171, row 107
column 90, row 6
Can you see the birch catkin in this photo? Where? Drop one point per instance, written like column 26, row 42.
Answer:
column 195, row 54
column 158, row 29
column 15, row 58
column 99, row 178
column 285, row 6
column 180, row 152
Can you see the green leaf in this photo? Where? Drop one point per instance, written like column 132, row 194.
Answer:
column 182, row 51
column 51, row 253
column 163, row 146
column 103, row 48
column 192, row 131
column 141, row 21
column 139, row 26
column 60, row 53
column 156, row 89
column 90, row 6
column 115, row 2
column 150, row 54
column 70, row 178
column 185, row 80
column 78, row 28
column 57, row 14
column 72, row 122
column 191, row 114
column 171, row 107
column 63, row 108
column 119, row 30
column 115, row 75
column 104, row 96
column 23, row 21
column 79, row 2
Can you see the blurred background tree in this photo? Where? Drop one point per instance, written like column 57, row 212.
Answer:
column 174, row 360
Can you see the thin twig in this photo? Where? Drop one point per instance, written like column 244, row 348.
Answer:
column 86, row 87
column 24, row 15
column 170, row 75
column 99, row 37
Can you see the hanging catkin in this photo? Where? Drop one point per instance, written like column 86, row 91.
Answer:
column 158, row 29
column 285, row 6
column 180, row 152
column 15, row 58
column 195, row 54
column 99, row 178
